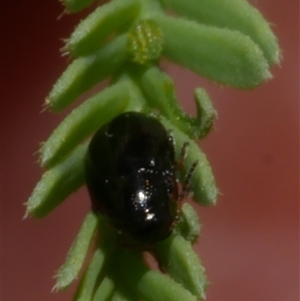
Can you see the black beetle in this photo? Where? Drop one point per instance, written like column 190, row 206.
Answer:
column 131, row 177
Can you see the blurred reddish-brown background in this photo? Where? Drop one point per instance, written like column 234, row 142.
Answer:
column 249, row 242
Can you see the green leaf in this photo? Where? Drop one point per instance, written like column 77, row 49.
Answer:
column 232, row 14
column 104, row 291
column 223, row 55
column 57, row 183
column 206, row 113
column 122, row 292
column 76, row 256
column 88, row 282
column 188, row 226
column 85, row 72
column 150, row 285
column 91, row 284
column 102, row 22
column 73, row 6
column 182, row 263
column 83, row 121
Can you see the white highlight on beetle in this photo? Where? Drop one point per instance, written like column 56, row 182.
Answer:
column 140, row 202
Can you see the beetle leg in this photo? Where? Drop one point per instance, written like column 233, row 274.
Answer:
column 186, row 186
column 182, row 155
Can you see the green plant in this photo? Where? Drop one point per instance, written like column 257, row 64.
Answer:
column 226, row 41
